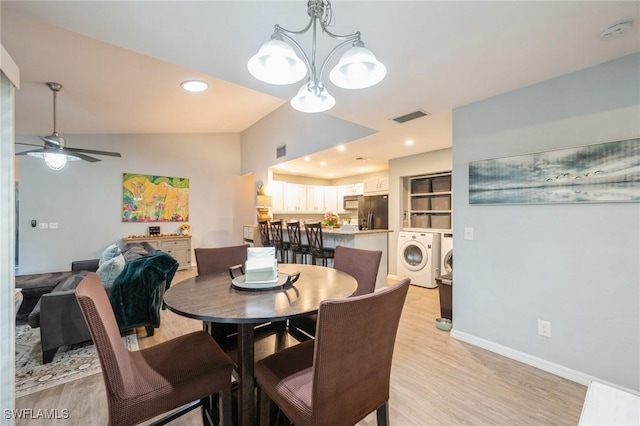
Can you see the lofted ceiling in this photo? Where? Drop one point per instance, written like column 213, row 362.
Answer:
column 121, row 64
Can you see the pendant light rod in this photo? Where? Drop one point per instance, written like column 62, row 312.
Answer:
column 278, row 61
column 55, row 88
column 316, row 11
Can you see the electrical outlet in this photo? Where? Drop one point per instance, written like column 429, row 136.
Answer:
column 53, row 225
column 544, row 328
column 43, row 225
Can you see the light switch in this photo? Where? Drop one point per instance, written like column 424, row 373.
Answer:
column 53, row 225
column 43, row 225
column 468, row 233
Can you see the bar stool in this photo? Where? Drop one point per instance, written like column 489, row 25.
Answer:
column 295, row 242
column 316, row 245
column 263, row 226
column 278, row 242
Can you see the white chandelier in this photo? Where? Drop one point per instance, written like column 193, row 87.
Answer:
column 277, row 62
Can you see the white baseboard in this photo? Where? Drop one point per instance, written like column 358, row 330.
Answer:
column 542, row 364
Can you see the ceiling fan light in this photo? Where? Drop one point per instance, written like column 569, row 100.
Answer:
column 277, row 63
column 313, row 98
column 358, row 68
column 55, row 161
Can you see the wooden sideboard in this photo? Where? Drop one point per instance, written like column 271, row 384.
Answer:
column 178, row 246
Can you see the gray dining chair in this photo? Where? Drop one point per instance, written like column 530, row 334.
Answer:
column 218, row 260
column 362, row 265
column 182, row 373
column 344, row 373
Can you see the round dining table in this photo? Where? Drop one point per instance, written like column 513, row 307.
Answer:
column 212, row 299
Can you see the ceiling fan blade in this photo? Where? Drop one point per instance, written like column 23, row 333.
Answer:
column 31, row 150
column 93, row 151
column 79, row 155
column 28, row 144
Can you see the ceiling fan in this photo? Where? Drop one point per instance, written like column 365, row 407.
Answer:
column 55, row 152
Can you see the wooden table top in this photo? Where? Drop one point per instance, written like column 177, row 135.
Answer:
column 211, row 297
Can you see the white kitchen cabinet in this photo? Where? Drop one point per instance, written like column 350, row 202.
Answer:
column 331, row 199
column 376, row 186
column 355, row 189
column 315, row 199
column 289, row 197
column 321, row 199
column 178, row 246
column 295, row 198
column 276, row 189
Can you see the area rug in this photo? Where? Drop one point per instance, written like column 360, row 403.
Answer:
column 70, row 362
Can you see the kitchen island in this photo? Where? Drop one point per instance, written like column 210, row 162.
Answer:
column 375, row 239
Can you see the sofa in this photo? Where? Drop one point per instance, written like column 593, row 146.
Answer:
column 136, row 270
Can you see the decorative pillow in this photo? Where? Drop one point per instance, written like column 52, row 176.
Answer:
column 109, row 253
column 134, row 252
column 109, row 270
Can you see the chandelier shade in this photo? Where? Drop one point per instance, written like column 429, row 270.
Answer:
column 277, row 63
column 358, row 68
column 313, row 97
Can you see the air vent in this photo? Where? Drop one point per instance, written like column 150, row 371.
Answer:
column 410, row 116
column 281, row 151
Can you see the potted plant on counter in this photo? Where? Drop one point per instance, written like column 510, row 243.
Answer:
column 330, row 220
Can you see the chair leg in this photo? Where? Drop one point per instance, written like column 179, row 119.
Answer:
column 281, row 334
column 382, row 414
column 47, row 356
column 225, row 408
column 207, row 415
column 265, row 406
column 150, row 330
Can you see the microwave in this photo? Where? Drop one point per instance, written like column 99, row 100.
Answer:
column 350, row 202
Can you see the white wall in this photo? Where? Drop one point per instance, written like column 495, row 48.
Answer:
column 302, row 133
column 85, row 199
column 575, row 265
column 9, row 77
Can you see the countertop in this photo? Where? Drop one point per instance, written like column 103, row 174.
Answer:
column 340, row 232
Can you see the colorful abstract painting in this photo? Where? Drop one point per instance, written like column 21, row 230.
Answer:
column 148, row 198
column 605, row 172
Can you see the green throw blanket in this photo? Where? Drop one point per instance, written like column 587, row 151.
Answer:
column 136, row 294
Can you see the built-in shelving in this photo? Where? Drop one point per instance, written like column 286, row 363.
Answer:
column 430, row 199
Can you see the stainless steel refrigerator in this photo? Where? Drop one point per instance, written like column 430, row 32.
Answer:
column 373, row 212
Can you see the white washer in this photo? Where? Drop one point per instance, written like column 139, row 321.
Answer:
column 419, row 257
column 446, row 250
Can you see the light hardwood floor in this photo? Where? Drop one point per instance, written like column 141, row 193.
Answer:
column 436, row 380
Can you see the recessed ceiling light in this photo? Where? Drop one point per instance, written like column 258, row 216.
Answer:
column 341, row 148
column 194, row 85
column 408, row 143
column 323, row 163
column 307, row 158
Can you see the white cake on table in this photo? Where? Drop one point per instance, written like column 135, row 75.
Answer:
column 261, row 266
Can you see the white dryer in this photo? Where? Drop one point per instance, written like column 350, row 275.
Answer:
column 446, row 251
column 419, row 257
